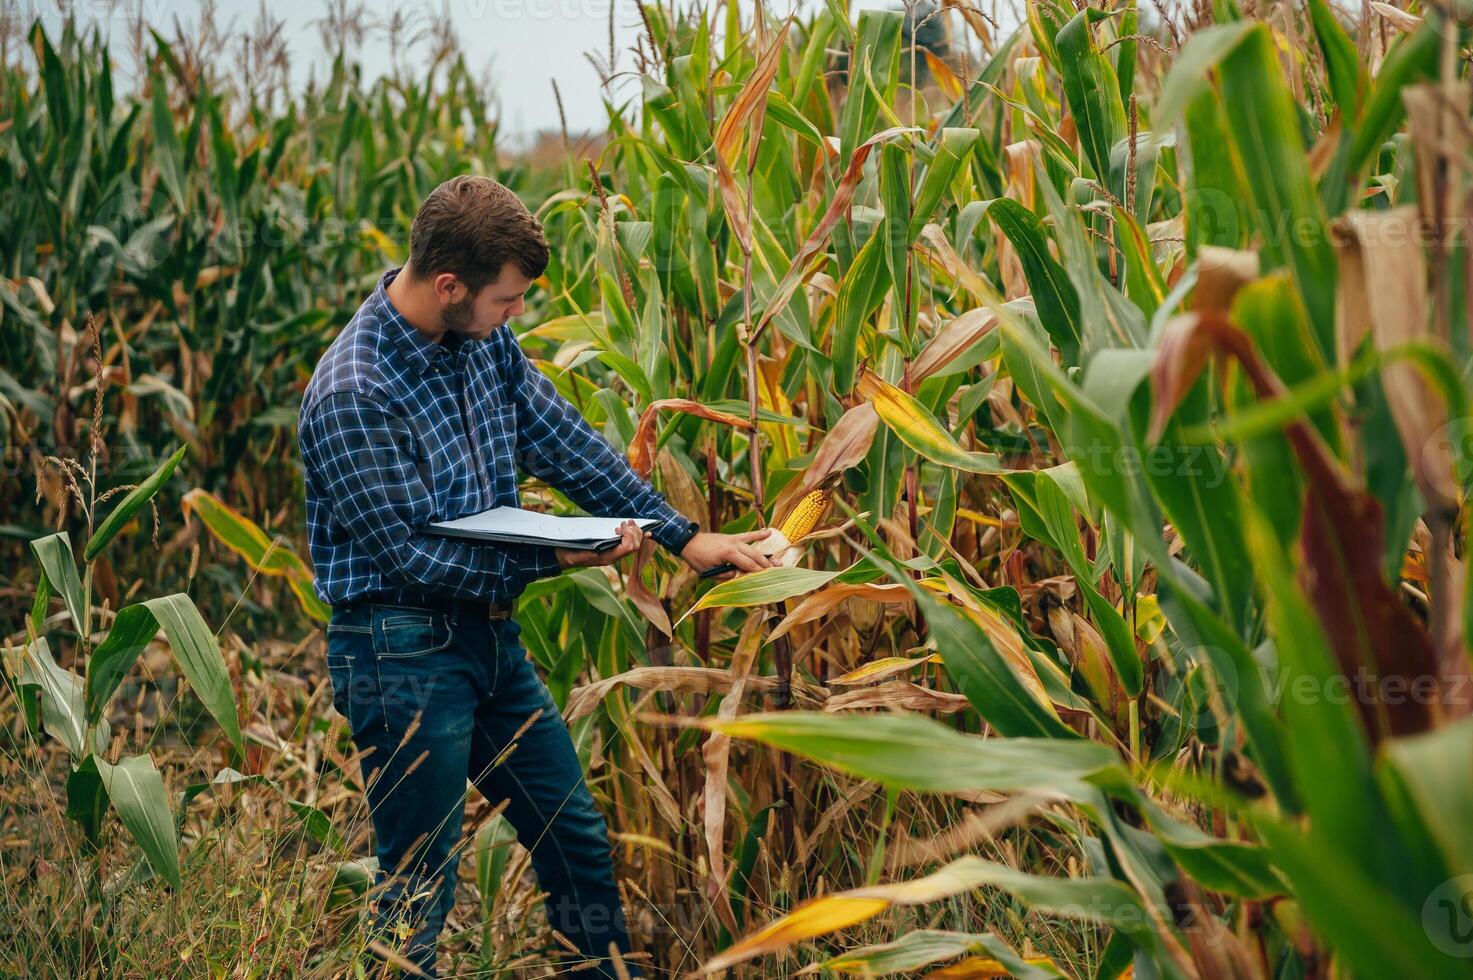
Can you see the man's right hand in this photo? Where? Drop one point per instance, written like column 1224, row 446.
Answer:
column 631, row 536
column 709, row 549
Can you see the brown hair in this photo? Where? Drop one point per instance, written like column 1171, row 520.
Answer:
column 472, row 226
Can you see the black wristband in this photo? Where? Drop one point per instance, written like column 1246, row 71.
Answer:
column 690, row 530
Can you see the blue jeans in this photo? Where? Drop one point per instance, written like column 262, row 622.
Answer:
column 435, row 699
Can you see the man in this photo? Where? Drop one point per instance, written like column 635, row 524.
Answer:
column 421, row 410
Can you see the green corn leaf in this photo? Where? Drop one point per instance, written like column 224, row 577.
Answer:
column 313, row 820
column 861, row 292
column 1217, row 193
column 1374, row 933
column 40, row 604
column 953, row 148
column 875, row 57
column 54, row 554
column 1325, row 742
column 62, row 714
column 1054, row 296
column 924, row 947
column 167, row 150
column 1348, row 77
column 53, row 74
column 132, row 630
column 1412, row 59
column 1093, row 899
column 1261, row 115
column 1430, row 775
column 1204, row 50
column 762, row 587
column 895, row 194
column 980, row 671
column 136, row 791
column 130, row 505
column 1093, row 92
column 915, row 752
column 1242, row 685
column 199, row 659
column 1231, row 867
column 86, row 799
column 1124, row 51
column 1192, row 483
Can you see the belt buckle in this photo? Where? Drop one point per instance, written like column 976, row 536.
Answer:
column 501, row 610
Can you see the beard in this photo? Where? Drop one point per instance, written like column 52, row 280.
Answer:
column 457, row 316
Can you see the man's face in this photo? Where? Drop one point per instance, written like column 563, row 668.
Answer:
column 475, row 317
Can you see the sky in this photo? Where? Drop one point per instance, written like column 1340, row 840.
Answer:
column 526, row 43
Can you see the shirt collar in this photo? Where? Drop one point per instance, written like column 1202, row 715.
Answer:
column 418, row 350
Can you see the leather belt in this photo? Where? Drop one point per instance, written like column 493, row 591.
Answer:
column 470, row 609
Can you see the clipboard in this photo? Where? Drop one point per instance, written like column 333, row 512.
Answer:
column 514, row 525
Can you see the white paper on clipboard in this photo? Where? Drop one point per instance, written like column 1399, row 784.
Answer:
column 513, row 525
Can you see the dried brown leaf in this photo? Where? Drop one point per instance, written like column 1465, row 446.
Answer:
column 954, row 339
column 642, row 446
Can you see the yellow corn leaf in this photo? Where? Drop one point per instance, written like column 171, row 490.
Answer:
column 1149, row 623
column 937, row 250
column 983, row 519
column 923, row 947
column 387, row 246
column 244, row 537
column 313, row 606
column 983, row 967
column 587, row 327
column 916, row 427
column 946, row 79
column 823, row 602
column 632, row 841
column 881, row 668
column 1008, row 643
column 568, row 354
column 815, row 918
column 1021, row 156
column 782, row 438
column 1074, row 897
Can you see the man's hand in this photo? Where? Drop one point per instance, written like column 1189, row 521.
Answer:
column 709, row 549
column 630, row 538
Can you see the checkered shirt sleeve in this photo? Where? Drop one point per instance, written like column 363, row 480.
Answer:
column 360, row 450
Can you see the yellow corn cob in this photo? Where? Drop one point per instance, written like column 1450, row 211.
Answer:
column 804, row 517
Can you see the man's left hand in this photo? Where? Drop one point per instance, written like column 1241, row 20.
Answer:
column 630, row 538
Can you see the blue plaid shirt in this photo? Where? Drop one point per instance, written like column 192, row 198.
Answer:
column 397, row 431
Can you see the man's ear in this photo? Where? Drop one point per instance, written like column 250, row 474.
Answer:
column 449, row 288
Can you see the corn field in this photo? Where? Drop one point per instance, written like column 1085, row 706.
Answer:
column 1122, row 354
